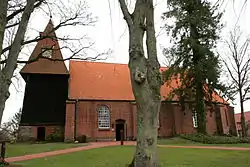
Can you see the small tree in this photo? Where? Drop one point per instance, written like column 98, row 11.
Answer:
column 11, row 128
column 237, row 63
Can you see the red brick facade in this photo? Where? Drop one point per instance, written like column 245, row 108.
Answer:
column 238, row 122
column 31, row 132
column 95, row 84
column 171, row 121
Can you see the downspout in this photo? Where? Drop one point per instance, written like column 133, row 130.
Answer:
column 76, row 105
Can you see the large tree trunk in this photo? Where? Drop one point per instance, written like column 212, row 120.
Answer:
column 148, row 107
column 242, row 118
column 3, row 93
column 200, row 108
column 7, row 72
column 145, row 79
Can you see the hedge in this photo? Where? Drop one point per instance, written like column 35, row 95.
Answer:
column 206, row 139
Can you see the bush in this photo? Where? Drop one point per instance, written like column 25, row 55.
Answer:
column 55, row 137
column 215, row 139
column 82, row 139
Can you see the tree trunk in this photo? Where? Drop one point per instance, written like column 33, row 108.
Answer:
column 3, row 16
column 4, row 92
column 148, row 109
column 7, row 72
column 198, row 78
column 242, row 118
column 3, row 89
column 200, row 108
column 145, row 79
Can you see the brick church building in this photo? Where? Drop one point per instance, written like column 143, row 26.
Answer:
column 96, row 99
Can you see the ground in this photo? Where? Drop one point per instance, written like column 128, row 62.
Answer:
column 13, row 150
column 118, row 156
column 184, row 142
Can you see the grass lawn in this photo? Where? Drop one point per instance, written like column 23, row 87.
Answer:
column 169, row 157
column 19, row 149
column 180, row 141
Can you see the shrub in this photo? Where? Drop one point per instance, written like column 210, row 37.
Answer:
column 55, row 137
column 82, row 139
column 215, row 139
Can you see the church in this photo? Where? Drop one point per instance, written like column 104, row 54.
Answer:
column 96, row 99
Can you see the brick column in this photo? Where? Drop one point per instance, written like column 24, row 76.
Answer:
column 69, row 121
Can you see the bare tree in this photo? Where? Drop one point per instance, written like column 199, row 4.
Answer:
column 146, row 80
column 237, row 63
column 14, row 18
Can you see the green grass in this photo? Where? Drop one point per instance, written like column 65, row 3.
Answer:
column 19, row 149
column 184, row 142
column 169, row 157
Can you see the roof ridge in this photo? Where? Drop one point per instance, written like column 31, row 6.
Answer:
column 86, row 61
column 99, row 62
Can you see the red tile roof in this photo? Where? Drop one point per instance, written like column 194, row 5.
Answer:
column 45, row 66
column 107, row 81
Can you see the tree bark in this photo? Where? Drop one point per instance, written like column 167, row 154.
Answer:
column 7, row 72
column 3, row 18
column 200, row 108
column 145, row 79
column 242, row 118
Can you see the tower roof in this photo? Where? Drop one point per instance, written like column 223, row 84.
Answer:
column 50, row 46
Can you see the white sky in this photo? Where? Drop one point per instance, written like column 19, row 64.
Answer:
column 113, row 35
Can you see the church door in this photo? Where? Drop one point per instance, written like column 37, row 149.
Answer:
column 120, row 129
column 41, row 134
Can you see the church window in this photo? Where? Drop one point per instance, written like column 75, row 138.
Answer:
column 103, row 117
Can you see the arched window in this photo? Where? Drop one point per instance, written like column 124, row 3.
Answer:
column 103, row 117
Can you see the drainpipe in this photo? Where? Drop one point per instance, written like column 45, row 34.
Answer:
column 76, row 104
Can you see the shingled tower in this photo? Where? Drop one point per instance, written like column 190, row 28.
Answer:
column 46, row 88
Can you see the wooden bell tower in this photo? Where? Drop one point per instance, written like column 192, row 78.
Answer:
column 46, row 80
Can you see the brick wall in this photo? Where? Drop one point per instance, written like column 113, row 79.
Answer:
column 69, row 132
column 172, row 120
column 28, row 133
column 87, row 119
column 231, row 118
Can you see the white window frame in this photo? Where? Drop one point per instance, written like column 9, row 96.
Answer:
column 195, row 119
column 103, row 117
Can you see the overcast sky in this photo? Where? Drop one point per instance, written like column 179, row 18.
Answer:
column 110, row 32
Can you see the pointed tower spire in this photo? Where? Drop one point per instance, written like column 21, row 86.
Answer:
column 47, row 47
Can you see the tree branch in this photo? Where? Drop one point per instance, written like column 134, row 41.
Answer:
column 14, row 51
column 61, row 24
column 72, row 57
column 16, row 12
column 11, row 25
column 246, row 91
column 126, row 14
column 3, row 13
